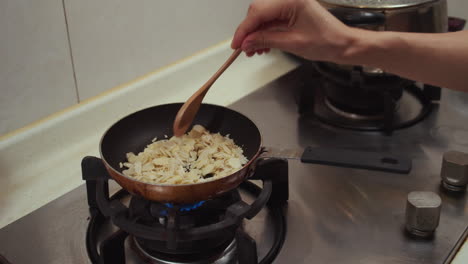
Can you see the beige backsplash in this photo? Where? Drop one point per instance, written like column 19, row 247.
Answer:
column 112, row 42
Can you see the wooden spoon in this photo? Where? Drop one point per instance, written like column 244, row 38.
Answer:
column 187, row 112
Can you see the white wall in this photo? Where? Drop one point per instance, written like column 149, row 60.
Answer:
column 458, row 8
column 36, row 76
column 112, row 42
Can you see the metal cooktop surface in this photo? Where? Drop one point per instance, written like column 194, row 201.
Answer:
column 334, row 215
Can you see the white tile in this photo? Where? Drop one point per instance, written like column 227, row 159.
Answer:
column 36, row 77
column 458, row 8
column 114, row 41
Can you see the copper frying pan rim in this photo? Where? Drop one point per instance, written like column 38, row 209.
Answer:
column 108, row 166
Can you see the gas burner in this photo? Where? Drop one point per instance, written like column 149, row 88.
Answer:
column 205, row 232
column 356, row 100
column 351, row 115
column 413, row 107
column 183, row 218
column 226, row 255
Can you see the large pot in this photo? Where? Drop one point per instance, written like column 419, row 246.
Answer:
column 400, row 15
column 424, row 16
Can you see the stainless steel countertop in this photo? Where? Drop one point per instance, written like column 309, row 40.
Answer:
column 334, row 215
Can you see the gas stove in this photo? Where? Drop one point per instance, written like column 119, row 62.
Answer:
column 204, row 232
column 326, row 214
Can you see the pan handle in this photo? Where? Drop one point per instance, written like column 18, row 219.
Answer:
column 356, row 159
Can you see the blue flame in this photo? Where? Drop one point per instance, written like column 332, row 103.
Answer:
column 183, row 208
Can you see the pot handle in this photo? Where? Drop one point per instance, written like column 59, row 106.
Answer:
column 353, row 17
column 356, row 159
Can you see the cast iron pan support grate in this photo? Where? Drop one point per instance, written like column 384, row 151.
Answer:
column 103, row 207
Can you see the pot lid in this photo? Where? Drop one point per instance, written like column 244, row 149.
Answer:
column 376, row 4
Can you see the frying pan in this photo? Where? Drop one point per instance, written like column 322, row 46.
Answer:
column 134, row 132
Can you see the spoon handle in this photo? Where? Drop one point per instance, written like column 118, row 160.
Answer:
column 189, row 109
column 228, row 62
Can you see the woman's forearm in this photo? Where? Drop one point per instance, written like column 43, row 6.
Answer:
column 439, row 59
column 306, row 29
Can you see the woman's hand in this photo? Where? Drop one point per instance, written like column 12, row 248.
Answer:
column 305, row 28
column 302, row 27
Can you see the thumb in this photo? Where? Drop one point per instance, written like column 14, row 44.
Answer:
column 264, row 39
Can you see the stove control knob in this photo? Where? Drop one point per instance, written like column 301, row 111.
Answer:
column 454, row 171
column 422, row 213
